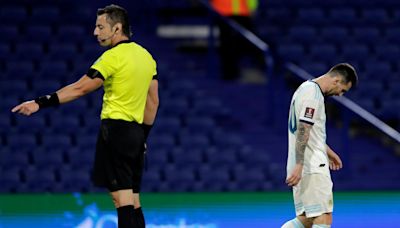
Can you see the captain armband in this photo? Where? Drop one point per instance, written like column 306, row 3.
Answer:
column 48, row 101
column 92, row 73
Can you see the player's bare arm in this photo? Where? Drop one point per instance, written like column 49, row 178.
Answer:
column 303, row 134
column 152, row 103
column 66, row 94
column 335, row 163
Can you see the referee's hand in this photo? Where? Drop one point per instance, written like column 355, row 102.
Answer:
column 27, row 108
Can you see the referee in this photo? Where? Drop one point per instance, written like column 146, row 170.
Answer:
column 128, row 73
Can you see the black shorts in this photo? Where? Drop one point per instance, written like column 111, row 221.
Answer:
column 119, row 156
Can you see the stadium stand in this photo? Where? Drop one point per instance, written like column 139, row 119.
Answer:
column 209, row 135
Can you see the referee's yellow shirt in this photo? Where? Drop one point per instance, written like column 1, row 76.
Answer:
column 127, row 69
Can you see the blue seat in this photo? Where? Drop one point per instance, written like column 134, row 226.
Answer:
column 187, row 158
column 13, row 158
column 53, row 69
column 74, row 180
column 180, row 180
column 251, row 179
column 48, row 14
column 165, row 141
column 10, row 180
column 389, row 52
column 227, row 140
column 305, row 34
column 9, row 33
column 157, row 157
column 39, row 33
column 40, row 180
column 20, row 69
column 62, row 51
column 28, row 51
column 4, row 51
column 86, row 141
column 8, row 87
column 166, row 125
column 30, row 125
column 291, row 52
column 80, row 158
column 323, row 52
column 60, row 123
column 221, row 158
column 200, row 125
column 48, row 158
column 355, row 51
column 5, row 122
column 56, row 141
column 151, row 180
column 14, row 14
column 188, row 141
column 392, row 34
column 45, row 86
column 214, row 179
column 378, row 69
column 174, row 106
column 70, row 33
column 375, row 16
column 368, row 35
column 311, row 16
column 336, row 34
column 314, row 68
column 342, row 16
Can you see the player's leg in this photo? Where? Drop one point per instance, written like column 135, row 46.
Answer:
column 294, row 223
column 322, row 221
column 318, row 200
column 124, row 203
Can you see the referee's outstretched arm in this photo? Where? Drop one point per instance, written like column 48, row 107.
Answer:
column 66, row 94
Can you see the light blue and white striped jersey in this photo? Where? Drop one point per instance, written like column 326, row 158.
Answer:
column 308, row 105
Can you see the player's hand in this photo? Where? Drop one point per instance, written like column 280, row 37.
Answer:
column 295, row 177
column 335, row 163
column 27, row 108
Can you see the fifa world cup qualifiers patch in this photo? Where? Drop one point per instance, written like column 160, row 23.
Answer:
column 309, row 113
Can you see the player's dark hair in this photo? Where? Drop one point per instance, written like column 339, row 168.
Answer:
column 116, row 14
column 346, row 71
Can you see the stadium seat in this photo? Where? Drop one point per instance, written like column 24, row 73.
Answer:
column 367, row 35
column 291, row 52
column 13, row 14
column 22, row 69
column 53, row 69
column 221, row 158
column 200, row 124
column 40, row 180
column 9, row 87
column 28, row 51
column 48, row 158
column 188, row 141
column 303, row 34
column 180, row 180
column 354, row 51
column 166, row 125
column 10, row 180
column 48, row 14
column 60, row 123
column 62, row 51
column 26, row 124
column 81, row 159
column 45, row 86
column 215, row 179
column 392, row 34
column 390, row 53
column 38, row 33
column 74, row 33
column 166, row 141
column 56, row 141
column 184, row 158
column 311, row 16
column 323, row 52
column 86, row 141
column 342, row 16
column 151, row 180
column 375, row 16
column 336, row 34
column 250, row 179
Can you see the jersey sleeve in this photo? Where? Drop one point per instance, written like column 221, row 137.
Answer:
column 106, row 64
column 309, row 106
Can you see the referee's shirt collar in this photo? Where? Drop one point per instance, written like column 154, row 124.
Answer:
column 122, row 42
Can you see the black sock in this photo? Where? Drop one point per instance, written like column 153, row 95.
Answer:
column 140, row 218
column 126, row 216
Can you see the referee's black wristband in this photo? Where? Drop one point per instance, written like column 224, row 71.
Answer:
column 48, row 101
column 146, row 129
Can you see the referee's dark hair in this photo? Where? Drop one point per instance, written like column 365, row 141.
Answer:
column 347, row 72
column 117, row 14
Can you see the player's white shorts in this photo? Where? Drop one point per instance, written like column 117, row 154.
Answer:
column 313, row 195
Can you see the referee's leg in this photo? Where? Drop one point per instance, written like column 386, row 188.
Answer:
column 128, row 207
